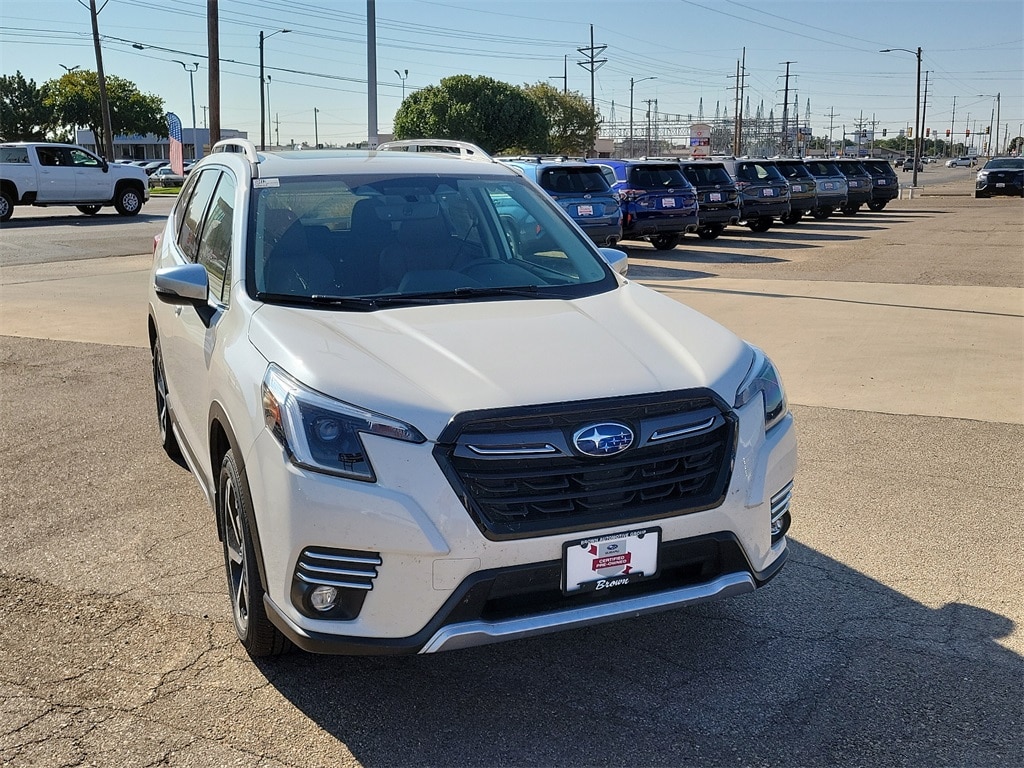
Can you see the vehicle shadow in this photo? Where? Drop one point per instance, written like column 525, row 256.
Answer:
column 660, row 272
column 826, row 666
column 81, row 220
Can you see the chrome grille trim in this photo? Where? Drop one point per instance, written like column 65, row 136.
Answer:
column 694, row 429
column 780, row 502
column 337, row 568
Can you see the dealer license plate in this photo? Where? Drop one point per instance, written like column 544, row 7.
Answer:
column 828, row 185
column 798, row 187
column 613, row 560
column 668, row 202
column 767, row 192
column 882, row 182
column 585, row 210
column 999, row 185
column 714, row 197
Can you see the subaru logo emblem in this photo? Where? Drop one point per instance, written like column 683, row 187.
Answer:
column 603, row 439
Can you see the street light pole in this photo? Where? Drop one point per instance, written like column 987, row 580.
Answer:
column 632, row 83
column 197, row 150
column 917, row 115
column 263, row 106
column 993, row 141
column 316, row 130
column 402, row 78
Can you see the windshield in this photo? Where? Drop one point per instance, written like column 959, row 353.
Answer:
column 793, row 170
column 656, row 177
column 1012, row 163
column 368, row 242
column 704, row 175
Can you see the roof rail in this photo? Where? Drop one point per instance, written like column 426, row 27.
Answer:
column 463, row 149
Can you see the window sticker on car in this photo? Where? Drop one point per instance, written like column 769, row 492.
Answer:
column 264, row 183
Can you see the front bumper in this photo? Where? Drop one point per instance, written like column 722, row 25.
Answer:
column 991, row 187
column 442, row 583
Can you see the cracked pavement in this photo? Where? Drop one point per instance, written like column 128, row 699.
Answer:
column 892, row 637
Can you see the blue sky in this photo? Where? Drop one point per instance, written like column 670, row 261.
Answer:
column 689, row 47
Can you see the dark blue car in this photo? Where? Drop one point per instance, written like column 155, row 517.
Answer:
column 581, row 190
column 658, row 203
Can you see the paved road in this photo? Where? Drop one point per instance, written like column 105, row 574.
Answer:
column 893, row 637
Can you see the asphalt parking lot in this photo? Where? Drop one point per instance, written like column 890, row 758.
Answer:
column 893, row 636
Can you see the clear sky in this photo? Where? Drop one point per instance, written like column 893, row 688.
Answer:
column 973, row 50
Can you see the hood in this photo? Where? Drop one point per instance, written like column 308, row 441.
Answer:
column 425, row 364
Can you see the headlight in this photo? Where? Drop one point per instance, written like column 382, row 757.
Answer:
column 764, row 379
column 323, row 434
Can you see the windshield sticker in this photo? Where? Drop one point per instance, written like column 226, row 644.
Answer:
column 262, row 183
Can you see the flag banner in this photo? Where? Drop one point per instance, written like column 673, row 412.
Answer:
column 174, row 135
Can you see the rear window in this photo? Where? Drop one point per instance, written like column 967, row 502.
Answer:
column 707, row 174
column 655, row 177
column 793, row 170
column 823, row 168
column 852, row 169
column 569, row 180
column 752, row 171
column 879, row 167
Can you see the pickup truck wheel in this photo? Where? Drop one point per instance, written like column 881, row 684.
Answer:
column 710, row 232
column 258, row 635
column 89, row 210
column 877, row 205
column 6, row 206
column 760, row 224
column 128, row 201
column 665, row 242
column 163, row 410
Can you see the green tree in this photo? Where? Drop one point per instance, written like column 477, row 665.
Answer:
column 572, row 124
column 75, row 101
column 494, row 115
column 24, row 115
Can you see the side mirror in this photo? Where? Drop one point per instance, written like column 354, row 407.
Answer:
column 617, row 260
column 184, row 284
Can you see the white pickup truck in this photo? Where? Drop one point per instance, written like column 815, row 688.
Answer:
column 64, row 174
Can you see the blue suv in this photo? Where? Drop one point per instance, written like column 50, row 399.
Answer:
column 580, row 189
column 658, row 203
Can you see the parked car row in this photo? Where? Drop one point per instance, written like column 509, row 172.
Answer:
column 660, row 199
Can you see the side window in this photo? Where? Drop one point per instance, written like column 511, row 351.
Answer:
column 50, row 156
column 188, row 235
column 81, row 159
column 18, row 155
column 215, row 242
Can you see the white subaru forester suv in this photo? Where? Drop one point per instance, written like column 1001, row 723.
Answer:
column 429, row 413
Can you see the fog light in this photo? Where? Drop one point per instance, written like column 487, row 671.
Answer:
column 323, row 598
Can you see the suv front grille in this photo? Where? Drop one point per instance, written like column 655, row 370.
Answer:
column 519, row 474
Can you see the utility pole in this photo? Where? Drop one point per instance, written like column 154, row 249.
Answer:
column 785, row 111
column 952, row 128
column 213, row 83
column 741, row 76
column 108, row 135
column 371, row 75
column 924, row 111
column 592, row 64
column 831, row 122
column 649, row 102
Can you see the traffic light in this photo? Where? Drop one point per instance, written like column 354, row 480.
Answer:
column 910, row 133
column 883, row 133
column 967, row 132
column 988, row 129
column 947, row 133
column 927, row 131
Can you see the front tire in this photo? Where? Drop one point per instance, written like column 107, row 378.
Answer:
column 163, row 409
column 89, row 210
column 128, row 201
column 257, row 634
column 760, row 224
column 6, row 207
column 665, row 242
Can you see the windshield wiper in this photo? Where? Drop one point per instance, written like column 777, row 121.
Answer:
column 475, row 292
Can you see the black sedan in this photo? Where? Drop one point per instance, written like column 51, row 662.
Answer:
column 1001, row 176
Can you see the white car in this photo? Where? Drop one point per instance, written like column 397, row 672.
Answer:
column 961, row 162
column 419, row 431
